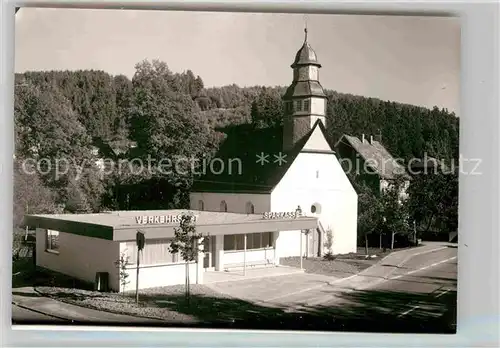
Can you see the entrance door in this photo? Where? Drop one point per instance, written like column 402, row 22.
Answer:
column 314, row 243
column 209, row 251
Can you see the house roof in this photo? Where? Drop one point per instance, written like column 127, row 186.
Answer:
column 375, row 155
column 123, row 225
column 428, row 164
column 242, row 147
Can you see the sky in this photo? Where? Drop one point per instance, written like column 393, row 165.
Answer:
column 413, row 60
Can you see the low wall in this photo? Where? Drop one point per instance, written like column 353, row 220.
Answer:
column 151, row 276
column 252, row 256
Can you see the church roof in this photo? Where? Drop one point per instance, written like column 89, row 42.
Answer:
column 305, row 56
column 246, row 144
column 304, row 89
column 376, row 155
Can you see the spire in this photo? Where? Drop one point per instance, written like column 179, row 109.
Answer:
column 305, row 28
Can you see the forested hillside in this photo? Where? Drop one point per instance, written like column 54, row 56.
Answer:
column 63, row 114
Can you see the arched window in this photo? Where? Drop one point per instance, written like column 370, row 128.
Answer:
column 250, row 209
column 201, row 205
column 223, row 206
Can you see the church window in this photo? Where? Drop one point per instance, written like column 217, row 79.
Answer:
column 223, row 206
column 250, row 209
column 298, row 105
column 306, row 105
column 316, row 208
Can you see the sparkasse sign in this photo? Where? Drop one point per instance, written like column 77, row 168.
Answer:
column 161, row 219
column 281, row 215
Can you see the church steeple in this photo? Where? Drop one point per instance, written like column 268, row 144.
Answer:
column 305, row 99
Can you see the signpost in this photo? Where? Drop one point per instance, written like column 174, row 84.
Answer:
column 140, row 241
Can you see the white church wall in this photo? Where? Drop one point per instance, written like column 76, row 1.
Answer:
column 316, row 178
column 318, row 106
column 317, row 141
column 236, row 202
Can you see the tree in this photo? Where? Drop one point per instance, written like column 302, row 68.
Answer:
column 168, row 126
column 395, row 209
column 267, row 108
column 433, row 201
column 122, row 264
column 370, row 211
column 76, row 200
column 30, row 194
column 328, row 245
column 186, row 242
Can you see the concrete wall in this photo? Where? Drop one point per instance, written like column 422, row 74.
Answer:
column 316, row 178
column 236, row 202
column 80, row 257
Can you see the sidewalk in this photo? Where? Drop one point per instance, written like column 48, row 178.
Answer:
column 28, row 298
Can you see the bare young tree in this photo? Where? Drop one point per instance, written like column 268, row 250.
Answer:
column 187, row 242
column 122, row 263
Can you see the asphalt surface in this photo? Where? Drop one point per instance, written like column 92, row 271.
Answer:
column 411, row 295
column 413, row 292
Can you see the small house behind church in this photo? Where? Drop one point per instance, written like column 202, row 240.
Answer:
column 370, row 160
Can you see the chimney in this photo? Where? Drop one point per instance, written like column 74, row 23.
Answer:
column 363, row 138
column 371, row 139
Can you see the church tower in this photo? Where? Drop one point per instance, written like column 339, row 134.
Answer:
column 305, row 100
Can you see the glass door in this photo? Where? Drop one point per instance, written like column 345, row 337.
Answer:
column 209, row 254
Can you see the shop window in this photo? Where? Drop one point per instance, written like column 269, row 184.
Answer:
column 229, row 242
column 235, row 242
column 156, row 251
column 267, row 239
column 52, row 241
column 240, row 241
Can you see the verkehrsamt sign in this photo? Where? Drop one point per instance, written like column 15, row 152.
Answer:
column 161, row 219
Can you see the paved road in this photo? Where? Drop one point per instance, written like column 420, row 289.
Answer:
column 411, row 291
column 416, row 294
column 20, row 314
column 30, row 308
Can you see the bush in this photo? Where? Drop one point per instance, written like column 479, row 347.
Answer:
column 329, row 256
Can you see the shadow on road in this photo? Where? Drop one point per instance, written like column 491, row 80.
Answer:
column 368, row 311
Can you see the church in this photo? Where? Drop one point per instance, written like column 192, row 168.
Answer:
column 282, row 169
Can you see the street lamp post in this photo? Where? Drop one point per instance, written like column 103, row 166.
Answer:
column 298, row 213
